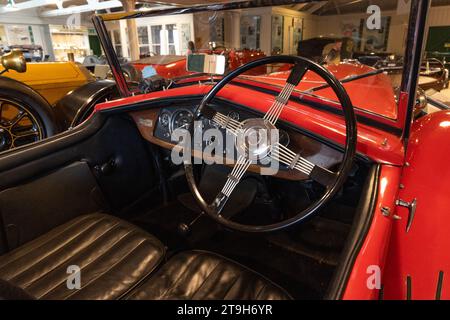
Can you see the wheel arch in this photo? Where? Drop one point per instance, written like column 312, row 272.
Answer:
column 78, row 104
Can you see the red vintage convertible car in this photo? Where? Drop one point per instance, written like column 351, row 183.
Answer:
column 120, row 208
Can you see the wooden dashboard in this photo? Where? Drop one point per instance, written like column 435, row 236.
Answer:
column 316, row 152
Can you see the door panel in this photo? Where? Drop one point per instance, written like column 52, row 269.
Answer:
column 102, row 165
column 33, row 208
column 418, row 265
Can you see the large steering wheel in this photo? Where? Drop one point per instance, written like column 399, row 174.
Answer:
column 333, row 181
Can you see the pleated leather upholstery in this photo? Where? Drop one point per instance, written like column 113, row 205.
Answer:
column 203, row 275
column 114, row 256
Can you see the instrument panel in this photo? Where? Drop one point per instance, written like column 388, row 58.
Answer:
column 170, row 119
column 157, row 125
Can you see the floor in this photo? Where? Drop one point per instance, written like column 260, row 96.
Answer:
column 442, row 96
column 302, row 260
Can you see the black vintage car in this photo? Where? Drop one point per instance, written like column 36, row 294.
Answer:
column 317, row 49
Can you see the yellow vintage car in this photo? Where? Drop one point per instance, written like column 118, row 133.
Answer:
column 40, row 99
column 53, row 80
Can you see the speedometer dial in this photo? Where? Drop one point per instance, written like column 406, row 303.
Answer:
column 182, row 119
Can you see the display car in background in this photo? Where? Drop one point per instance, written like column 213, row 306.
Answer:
column 143, row 201
column 172, row 66
column 40, row 99
column 433, row 73
column 443, row 57
column 317, row 49
column 32, row 53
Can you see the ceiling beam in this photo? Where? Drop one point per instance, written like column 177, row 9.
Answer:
column 316, row 7
column 338, row 11
column 92, row 5
column 299, row 6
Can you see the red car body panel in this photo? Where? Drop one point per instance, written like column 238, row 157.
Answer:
column 424, row 251
column 372, row 94
column 375, row 247
column 237, row 58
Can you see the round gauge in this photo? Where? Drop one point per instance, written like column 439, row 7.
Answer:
column 164, row 118
column 182, row 119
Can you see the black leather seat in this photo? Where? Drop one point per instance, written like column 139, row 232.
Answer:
column 119, row 260
column 201, row 275
column 113, row 256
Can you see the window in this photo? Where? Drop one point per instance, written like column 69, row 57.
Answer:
column 250, row 32
column 172, row 31
column 117, row 42
column 143, row 41
column 217, row 31
column 156, row 39
column 277, row 34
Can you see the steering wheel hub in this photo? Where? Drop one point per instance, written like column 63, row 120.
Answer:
column 255, row 138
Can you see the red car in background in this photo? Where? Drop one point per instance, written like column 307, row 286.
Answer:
column 172, row 66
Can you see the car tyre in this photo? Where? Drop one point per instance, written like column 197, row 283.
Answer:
column 40, row 111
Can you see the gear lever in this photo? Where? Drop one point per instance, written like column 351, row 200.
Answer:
column 185, row 228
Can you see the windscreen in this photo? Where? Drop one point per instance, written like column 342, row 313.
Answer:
column 361, row 43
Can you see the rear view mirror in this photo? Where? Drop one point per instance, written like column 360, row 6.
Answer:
column 206, row 63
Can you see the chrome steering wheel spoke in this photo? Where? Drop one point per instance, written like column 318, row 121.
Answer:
column 295, row 161
column 233, row 180
column 282, row 99
column 226, row 122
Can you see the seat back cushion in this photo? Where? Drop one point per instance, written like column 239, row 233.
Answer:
column 95, row 256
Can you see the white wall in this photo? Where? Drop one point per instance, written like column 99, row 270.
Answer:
column 439, row 16
column 308, row 31
column 266, row 21
column 331, row 25
column 40, row 25
column 266, row 13
column 20, row 17
column 232, row 26
column 30, row 17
